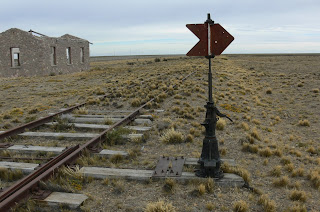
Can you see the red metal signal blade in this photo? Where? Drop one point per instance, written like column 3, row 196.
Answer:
column 201, row 31
column 220, row 39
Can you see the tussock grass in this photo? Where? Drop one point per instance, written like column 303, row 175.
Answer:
column 297, row 195
column 266, row 152
column 117, row 158
column 226, row 168
column 297, row 208
column 240, row 206
column 267, row 204
column 172, row 137
column 254, row 133
column 118, row 186
column 160, row 206
column 81, row 111
column 221, row 124
column 169, row 185
column 244, row 126
column 298, row 172
column 10, row 175
column 281, row 182
column 304, row 123
column 210, row 185
column 314, row 177
column 116, row 136
column 276, row 171
column 210, row 206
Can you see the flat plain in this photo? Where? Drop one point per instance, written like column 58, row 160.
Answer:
column 273, row 100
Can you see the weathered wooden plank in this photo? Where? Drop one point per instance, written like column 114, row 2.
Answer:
column 56, row 199
column 103, row 127
column 72, row 135
column 108, row 153
column 26, row 168
column 229, row 180
column 32, row 149
column 103, row 120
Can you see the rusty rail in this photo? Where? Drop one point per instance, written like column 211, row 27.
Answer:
column 24, row 186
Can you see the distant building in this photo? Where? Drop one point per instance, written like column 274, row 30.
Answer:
column 30, row 53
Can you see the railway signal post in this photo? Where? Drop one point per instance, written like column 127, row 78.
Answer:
column 214, row 39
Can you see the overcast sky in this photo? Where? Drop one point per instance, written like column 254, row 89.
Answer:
column 131, row 27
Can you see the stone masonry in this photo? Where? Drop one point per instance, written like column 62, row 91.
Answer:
column 25, row 54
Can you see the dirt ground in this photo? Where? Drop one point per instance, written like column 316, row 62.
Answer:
column 273, row 100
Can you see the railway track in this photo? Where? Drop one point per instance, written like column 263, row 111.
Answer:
column 29, row 184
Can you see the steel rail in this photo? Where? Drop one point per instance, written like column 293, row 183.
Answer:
column 23, row 187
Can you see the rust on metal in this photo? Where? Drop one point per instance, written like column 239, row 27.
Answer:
column 169, row 167
column 201, row 31
column 219, row 39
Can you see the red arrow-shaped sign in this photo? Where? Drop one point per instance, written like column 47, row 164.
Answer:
column 218, row 41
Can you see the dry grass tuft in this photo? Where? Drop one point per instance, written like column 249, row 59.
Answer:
column 81, row 111
column 10, row 175
column 160, row 206
column 201, row 189
column 296, row 195
column 269, row 91
column 268, row 205
column 298, row 172
column 266, row 152
column 304, row 122
column 254, row 133
column 281, row 182
column 117, row 158
column 314, row 177
column 210, row 185
column 210, row 206
column 276, row 171
column 244, row 126
column 316, row 90
column 172, row 137
column 136, row 102
column 297, row 208
column 221, row 124
column 169, row 185
column 189, row 138
column 226, row 168
column 240, row 206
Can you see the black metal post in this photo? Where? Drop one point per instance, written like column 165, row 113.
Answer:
column 210, row 158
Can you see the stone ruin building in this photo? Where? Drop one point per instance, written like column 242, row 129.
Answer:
column 30, row 53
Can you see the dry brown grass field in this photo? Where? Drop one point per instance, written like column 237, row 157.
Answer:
column 274, row 102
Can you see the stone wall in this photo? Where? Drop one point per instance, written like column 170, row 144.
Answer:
column 35, row 54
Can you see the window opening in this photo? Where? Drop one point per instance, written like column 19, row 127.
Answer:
column 68, row 55
column 53, row 56
column 82, row 54
column 15, row 57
